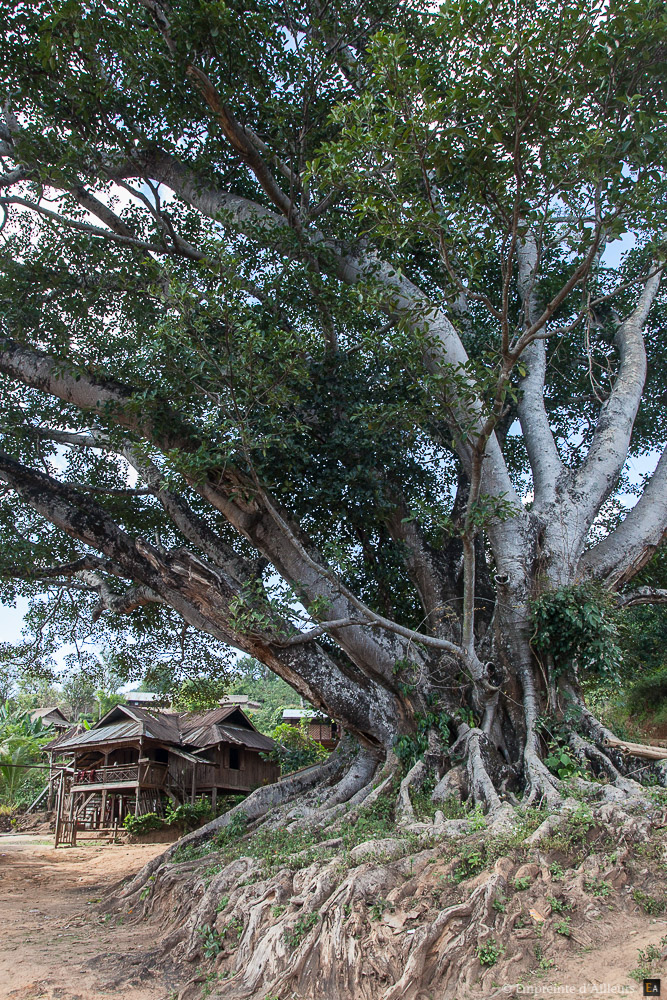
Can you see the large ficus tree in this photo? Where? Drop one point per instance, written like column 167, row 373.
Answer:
column 318, row 340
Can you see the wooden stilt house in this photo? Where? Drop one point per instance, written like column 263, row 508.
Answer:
column 134, row 761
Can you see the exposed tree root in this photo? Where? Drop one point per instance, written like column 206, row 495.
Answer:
column 254, row 807
column 405, row 812
column 370, row 925
column 362, row 925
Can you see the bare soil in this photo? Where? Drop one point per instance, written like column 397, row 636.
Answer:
column 53, row 946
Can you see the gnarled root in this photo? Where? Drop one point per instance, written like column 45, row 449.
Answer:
column 448, row 944
column 354, row 786
column 254, row 807
column 405, row 812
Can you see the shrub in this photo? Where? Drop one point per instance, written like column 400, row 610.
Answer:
column 137, row 825
column 295, row 748
column 490, row 952
column 211, row 942
column 598, row 886
column 648, row 903
column 189, row 814
column 648, row 692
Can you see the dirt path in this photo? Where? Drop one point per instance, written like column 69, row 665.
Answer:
column 52, row 945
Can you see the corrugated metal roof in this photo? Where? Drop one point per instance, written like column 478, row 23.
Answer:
column 54, row 744
column 200, row 737
column 197, row 730
column 207, row 736
column 108, row 734
column 195, row 720
column 158, row 725
column 248, row 737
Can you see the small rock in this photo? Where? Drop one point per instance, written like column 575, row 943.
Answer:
column 503, row 866
column 530, row 871
column 388, row 846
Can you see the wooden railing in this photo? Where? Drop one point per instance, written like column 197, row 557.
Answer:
column 148, row 773
column 155, row 775
column 107, row 775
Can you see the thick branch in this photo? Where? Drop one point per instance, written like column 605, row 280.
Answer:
column 256, row 517
column 542, row 454
column 206, row 598
column 607, row 454
column 642, row 595
column 627, row 549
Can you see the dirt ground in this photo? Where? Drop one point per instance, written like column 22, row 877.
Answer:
column 52, row 945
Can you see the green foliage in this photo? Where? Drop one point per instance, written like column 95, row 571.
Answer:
column 21, row 742
column 188, row 815
column 576, row 628
column 295, row 748
column 303, row 925
column 521, row 883
column 211, row 941
column 558, row 905
column 294, row 848
column 598, row 887
column 377, row 908
column 543, row 962
column 143, row 824
column 235, row 829
column 471, row 862
column 489, row 952
column 649, row 692
column 196, row 694
column 649, row 961
column 648, row 903
column 410, row 749
column 259, row 365
column 571, row 837
column 561, row 761
column 422, row 803
column 563, row 927
column 261, row 685
column 148, row 888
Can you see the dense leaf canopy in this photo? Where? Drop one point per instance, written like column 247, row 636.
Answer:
column 248, row 221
